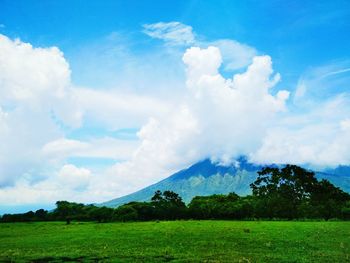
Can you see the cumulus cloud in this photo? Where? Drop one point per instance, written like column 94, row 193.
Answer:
column 315, row 131
column 39, row 104
column 174, row 33
column 318, row 137
column 217, row 117
column 69, row 182
column 28, row 73
column 34, row 85
column 74, row 177
column 37, row 79
column 223, row 118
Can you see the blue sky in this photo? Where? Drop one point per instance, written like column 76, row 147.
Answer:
column 297, row 34
column 136, row 90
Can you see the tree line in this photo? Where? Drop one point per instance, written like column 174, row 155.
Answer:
column 288, row 193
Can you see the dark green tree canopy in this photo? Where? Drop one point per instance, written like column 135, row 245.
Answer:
column 294, row 192
column 292, row 181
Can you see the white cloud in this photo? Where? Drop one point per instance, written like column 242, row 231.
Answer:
column 106, row 147
column 70, row 182
column 74, row 177
column 38, row 103
column 224, row 118
column 319, row 145
column 174, row 33
column 3, row 121
column 318, row 137
column 64, row 146
column 216, row 117
column 42, row 70
column 34, row 84
column 345, row 124
column 220, row 118
column 117, row 110
column 315, row 132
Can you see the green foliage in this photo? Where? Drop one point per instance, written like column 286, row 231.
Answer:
column 135, row 211
column 67, row 211
column 126, row 213
column 168, row 205
column 345, row 210
column 100, row 214
column 39, row 215
column 229, row 206
column 293, row 192
column 328, row 200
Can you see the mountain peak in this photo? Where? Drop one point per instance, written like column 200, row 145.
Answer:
column 207, row 177
column 207, row 168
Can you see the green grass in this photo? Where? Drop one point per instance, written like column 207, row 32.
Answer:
column 178, row 241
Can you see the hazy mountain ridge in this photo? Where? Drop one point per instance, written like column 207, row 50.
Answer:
column 207, row 178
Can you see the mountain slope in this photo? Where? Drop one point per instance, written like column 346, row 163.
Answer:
column 202, row 178
column 207, row 178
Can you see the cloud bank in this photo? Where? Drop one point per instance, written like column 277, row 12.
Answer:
column 39, row 108
column 221, row 114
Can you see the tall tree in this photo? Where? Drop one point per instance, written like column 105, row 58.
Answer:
column 293, row 191
column 281, row 191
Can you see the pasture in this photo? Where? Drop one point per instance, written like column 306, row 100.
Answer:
column 176, row 241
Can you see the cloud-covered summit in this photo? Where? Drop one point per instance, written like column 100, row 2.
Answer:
column 219, row 118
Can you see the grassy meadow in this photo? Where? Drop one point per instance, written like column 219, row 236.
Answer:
column 176, row 241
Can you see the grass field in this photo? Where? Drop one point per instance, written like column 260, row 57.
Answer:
column 177, row 241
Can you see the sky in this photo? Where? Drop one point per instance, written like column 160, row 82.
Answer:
column 99, row 99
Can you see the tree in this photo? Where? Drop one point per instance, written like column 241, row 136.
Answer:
column 346, row 210
column 328, row 200
column 280, row 192
column 157, row 197
column 126, row 213
column 69, row 211
column 229, row 206
column 41, row 215
column 101, row 214
column 292, row 192
column 168, row 205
